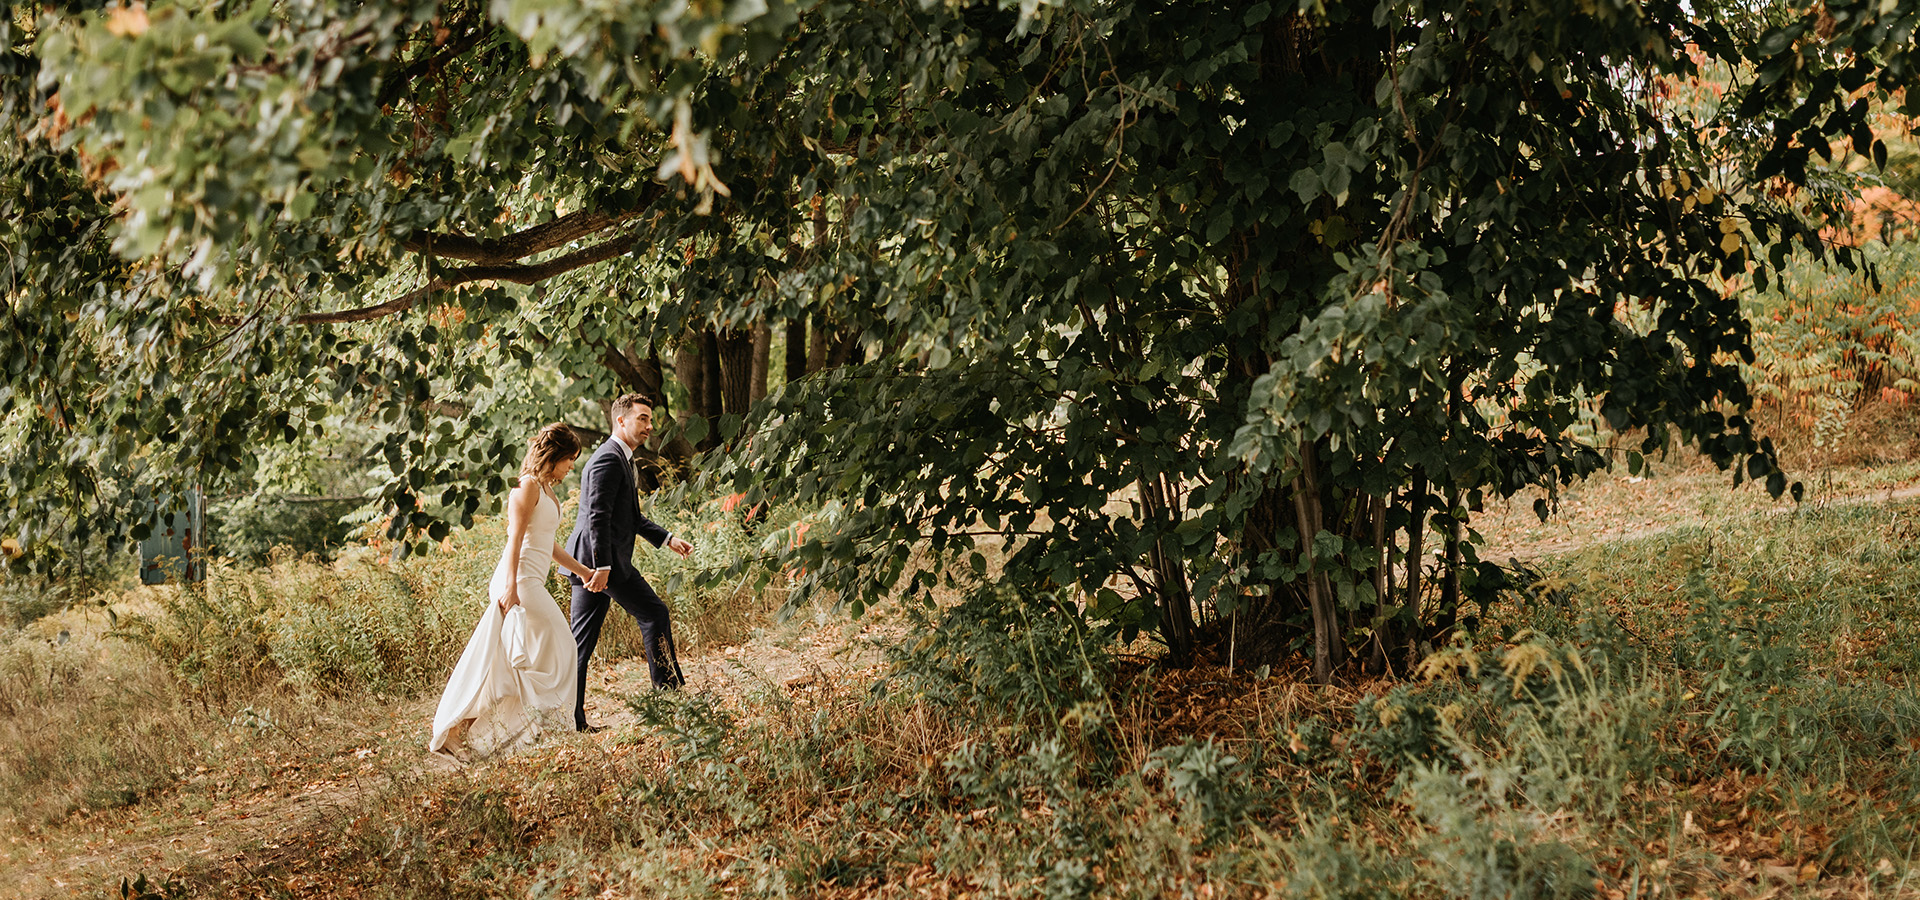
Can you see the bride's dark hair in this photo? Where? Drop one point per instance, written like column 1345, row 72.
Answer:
column 549, row 448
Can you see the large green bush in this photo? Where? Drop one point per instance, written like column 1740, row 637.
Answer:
column 251, row 527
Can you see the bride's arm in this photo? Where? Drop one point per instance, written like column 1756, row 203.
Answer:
column 570, row 564
column 520, row 505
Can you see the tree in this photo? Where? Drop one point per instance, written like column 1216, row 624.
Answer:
column 1225, row 314
column 1306, row 287
column 235, row 218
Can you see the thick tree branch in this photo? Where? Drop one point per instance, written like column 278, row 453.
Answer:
column 518, row 274
column 644, row 376
column 520, row 244
column 401, row 303
column 530, row 274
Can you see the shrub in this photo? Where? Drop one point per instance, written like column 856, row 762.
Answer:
column 250, row 528
column 87, row 570
column 1830, row 344
column 999, row 659
column 724, row 589
column 1211, row 785
column 25, row 599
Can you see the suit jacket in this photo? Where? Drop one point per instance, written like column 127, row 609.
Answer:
column 609, row 517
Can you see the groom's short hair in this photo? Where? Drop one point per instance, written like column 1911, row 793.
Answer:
column 624, row 404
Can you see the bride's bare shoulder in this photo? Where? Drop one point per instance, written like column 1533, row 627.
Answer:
column 525, row 492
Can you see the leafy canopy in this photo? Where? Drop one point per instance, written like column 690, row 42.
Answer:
column 1215, row 306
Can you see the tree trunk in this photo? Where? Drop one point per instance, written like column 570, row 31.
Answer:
column 1449, row 611
column 733, row 366
column 762, row 359
column 1383, row 595
column 796, row 349
column 1326, row 618
column 819, row 343
column 1416, row 555
column 708, row 372
column 689, row 367
column 1162, row 508
column 847, row 352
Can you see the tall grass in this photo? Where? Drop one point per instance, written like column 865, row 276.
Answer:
column 84, row 727
column 1719, row 711
column 363, row 625
column 104, row 707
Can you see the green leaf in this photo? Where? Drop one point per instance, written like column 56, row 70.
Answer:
column 1306, row 183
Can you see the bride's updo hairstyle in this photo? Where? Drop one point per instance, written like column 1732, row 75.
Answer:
column 554, row 445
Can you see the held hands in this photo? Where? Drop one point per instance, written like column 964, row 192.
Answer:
column 597, row 582
column 680, row 546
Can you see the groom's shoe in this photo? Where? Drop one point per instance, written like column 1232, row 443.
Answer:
column 590, row 729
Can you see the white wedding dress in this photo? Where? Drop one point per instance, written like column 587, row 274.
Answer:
column 489, row 704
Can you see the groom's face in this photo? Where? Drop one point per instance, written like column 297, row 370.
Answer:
column 636, row 426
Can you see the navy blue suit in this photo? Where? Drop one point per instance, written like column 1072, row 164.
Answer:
column 603, row 535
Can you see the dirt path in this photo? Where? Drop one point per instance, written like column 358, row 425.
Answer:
column 186, row 829
column 1625, row 509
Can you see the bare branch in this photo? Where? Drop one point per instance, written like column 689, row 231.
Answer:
column 521, row 244
column 517, row 274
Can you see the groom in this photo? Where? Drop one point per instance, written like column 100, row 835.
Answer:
column 602, row 539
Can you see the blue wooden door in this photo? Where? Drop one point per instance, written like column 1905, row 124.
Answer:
column 177, row 546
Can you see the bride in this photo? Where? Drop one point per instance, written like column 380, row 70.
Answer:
column 517, row 678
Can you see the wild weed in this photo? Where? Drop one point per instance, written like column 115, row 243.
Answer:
column 1484, row 844
column 347, row 629
column 721, row 592
column 1001, row 659
column 215, row 639
column 708, row 768
column 1212, row 785
column 1329, row 857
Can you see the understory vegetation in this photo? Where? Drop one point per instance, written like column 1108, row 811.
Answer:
column 1725, row 709
column 103, row 703
column 1836, row 366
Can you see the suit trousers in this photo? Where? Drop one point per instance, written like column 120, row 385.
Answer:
column 656, row 631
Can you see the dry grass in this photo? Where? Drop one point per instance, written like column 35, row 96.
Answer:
column 1196, row 783
column 84, row 725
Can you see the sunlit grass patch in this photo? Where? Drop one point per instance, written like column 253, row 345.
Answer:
column 1717, row 710
column 1844, row 580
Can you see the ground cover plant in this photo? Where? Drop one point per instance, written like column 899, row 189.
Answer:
column 1719, row 710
